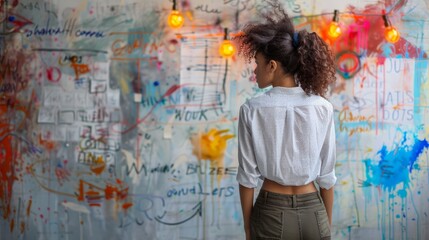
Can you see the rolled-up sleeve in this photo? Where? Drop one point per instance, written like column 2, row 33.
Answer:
column 327, row 178
column 248, row 172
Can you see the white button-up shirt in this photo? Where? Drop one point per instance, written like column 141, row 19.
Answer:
column 288, row 137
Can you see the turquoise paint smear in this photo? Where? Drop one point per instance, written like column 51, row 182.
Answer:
column 420, row 77
column 395, row 165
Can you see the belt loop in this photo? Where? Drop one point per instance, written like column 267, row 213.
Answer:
column 265, row 197
column 319, row 196
column 294, row 201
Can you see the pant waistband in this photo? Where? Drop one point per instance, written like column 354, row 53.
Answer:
column 290, row 200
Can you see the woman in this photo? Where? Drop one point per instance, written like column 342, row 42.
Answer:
column 287, row 135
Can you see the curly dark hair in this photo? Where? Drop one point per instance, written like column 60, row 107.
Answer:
column 307, row 57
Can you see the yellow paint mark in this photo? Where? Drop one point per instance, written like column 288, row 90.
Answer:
column 397, row 107
column 211, row 146
column 124, row 86
column 190, row 15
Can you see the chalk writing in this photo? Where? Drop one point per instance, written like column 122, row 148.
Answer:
column 198, row 169
column 205, row 8
column 145, row 169
column 68, row 29
column 199, row 190
column 354, row 123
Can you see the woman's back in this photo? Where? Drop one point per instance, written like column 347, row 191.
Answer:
column 289, row 129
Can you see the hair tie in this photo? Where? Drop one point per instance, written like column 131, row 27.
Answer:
column 295, row 41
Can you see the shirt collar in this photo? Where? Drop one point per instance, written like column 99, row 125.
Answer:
column 287, row 90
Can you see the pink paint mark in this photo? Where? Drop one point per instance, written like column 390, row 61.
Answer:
column 41, row 216
column 380, row 61
column 363, row 80
column 376, row 100
column 53, row 74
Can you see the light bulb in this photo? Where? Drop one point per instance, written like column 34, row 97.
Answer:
column 226, row 49
column 391, row 34
column 334, row 30
column 175, row 19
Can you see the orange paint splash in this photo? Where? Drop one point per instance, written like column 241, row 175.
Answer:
column 29, row 207
column 117, row 191
column 79, row 68
column 12, row 225
column 48, row 144
column 127, row 205
column 22, row 227
column 98, row 165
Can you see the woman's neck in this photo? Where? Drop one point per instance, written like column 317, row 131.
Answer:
column 285, row 81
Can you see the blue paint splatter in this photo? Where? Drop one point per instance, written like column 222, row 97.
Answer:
column 394, row 165
column 387, row 49
column 402, row 193
column 156, row 83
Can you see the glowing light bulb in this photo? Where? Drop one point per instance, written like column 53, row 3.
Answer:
column 175, row 19
column 226, row 49
column 334, row 30
column 391, row 34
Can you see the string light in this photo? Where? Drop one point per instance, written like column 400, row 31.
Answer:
column 390, row 33
column 175, row 19
column 334, row 30
column 226, row 49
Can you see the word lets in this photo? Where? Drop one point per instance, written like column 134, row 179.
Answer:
column 198, row 190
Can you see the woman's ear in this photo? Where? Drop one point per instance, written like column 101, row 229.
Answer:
column 272, row 65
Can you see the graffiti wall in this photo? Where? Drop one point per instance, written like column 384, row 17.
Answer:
column 116, row 126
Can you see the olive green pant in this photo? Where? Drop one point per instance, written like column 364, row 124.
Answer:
column 284, row 216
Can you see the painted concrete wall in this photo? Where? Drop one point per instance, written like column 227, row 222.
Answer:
column 114, row 126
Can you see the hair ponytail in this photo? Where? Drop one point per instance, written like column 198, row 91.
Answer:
column 316, row 69
column 302, row 54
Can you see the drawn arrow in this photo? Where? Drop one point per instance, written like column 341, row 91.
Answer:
column 198, row 207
